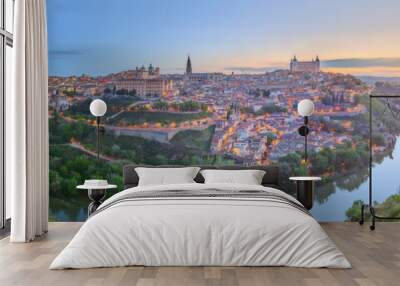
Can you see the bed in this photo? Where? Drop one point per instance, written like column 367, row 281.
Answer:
column 197, row 224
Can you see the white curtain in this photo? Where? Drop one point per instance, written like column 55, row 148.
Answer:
column 27, row 123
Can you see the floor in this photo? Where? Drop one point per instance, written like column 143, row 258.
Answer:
column 375, row 257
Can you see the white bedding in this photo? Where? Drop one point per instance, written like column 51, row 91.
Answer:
column 200, row 231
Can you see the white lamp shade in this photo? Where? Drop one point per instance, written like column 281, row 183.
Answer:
column 98, row 107
column 305, row 107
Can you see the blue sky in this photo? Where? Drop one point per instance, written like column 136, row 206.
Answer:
column 103, row 36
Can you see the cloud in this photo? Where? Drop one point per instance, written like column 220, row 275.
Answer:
column 66, row 53
column 357, row 66
column 361, row 63
column 244, row 69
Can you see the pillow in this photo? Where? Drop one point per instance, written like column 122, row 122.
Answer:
column 248, row 177
column 166, row 176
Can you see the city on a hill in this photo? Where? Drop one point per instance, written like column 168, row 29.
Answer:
column 214, row 118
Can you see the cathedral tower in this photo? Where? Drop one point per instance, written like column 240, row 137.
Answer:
column 188, row 66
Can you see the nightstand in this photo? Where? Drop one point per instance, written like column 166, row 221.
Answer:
column 96, row 192
column 305, row 190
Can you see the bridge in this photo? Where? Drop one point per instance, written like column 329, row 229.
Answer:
column 162, row 135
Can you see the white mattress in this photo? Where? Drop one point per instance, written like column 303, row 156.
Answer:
column 200, row 231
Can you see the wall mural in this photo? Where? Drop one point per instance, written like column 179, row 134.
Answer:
column 220, row 85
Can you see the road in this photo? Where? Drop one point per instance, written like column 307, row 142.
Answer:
column 125, row 109
column 82, row 148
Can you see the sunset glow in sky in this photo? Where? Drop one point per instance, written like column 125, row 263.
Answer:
column 98, row 37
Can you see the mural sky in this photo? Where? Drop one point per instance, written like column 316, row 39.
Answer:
column 98, row 37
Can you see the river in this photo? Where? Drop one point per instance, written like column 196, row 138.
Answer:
column 385, row 180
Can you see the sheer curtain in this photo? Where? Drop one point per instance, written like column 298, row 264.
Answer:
column 27, row 123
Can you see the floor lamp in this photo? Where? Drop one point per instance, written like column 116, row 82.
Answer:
column 98, row 108
column 370, row 206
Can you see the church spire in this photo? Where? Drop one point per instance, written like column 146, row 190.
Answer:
column 188, row 66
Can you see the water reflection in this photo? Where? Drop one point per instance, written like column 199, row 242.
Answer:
column 331, row 200
column 68, row 210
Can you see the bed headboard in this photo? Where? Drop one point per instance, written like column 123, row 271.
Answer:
column 270, row 179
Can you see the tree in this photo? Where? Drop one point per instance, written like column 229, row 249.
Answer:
column 161, row 105
column 271, row 108
column 319, row 164
column 353, row 213
column 378, row 139
column 270, row 137
column 122, row 91
column 266, row 93
column 161, row 159
column 132, row 92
